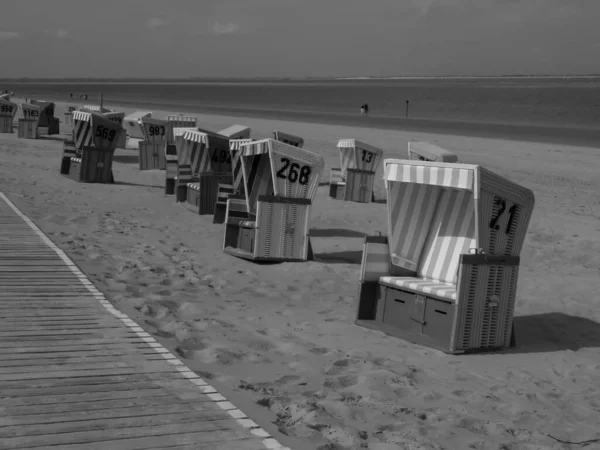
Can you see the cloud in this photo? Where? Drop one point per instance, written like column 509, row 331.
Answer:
column 230, row 28
column 61, row 33
column 156, row 22
column 9, row 35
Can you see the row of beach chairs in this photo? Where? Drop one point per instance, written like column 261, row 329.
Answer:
column 445, row 275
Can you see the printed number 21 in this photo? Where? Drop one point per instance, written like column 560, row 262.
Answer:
column 502, row 207
column 367, row 156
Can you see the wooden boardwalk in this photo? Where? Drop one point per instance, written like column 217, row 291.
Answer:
column 76, row 374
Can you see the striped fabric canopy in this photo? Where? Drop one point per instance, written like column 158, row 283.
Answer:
column 195, row 136
column 178, row 131
column 353, row 143
column 255, row 148
column 236, row 162
column 458, row 176
column 82, row 116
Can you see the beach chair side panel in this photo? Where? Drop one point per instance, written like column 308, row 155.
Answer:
column 27, row 129
column 487, row 288
column 209, row 185
column 282, row 229
column 6, row 124
column 359, row 186
column 152, row 155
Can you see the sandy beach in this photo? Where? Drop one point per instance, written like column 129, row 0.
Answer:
column 280, row 341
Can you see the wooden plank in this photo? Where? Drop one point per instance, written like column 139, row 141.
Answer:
column 82, row 416
column 81, row 345
column 82, row 373
column 153, row 433
column 101, row 352
column 84, row 359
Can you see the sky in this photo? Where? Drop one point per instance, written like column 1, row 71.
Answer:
column 297, row 38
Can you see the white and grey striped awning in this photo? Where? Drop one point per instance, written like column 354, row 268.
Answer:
column 458, row 176
column 255, row 148
column 82, row 116
column 236, row 144
column 179, row 131
column 196, row 136
column 353, row 143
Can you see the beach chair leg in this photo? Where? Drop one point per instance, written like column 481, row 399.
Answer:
column 112, row 178
column 373, row 196
column 310, row 256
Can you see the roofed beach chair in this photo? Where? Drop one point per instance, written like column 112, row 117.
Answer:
column 94, row 165
column 355, row 179
column 173, row 147
column 133, row 124
column 203, row 162
column 8, row 110
column 289, row 139
column 152, row 149
column 424, row 151
column 47, row 124
column 236, row 132
column 446, row 274
column 28, row 124
column 280, row 183
column 235, row 189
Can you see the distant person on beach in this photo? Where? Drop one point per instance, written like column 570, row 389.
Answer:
column 86, row 96
column 364, row 109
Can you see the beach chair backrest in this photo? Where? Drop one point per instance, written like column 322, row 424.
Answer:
column 271, row 167
column 116, row 117
column 424, row 151
column 219, row 154
column 358, row 155
column 8, row 108
column 156, row 130
column 235, row 132
column 31, row 112
column 296, row 171
column 105, row 133
column 183, row 121
column 289, row 139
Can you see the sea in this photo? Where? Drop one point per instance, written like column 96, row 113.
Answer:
column 551, row 107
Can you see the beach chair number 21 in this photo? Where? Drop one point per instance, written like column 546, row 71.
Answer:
column 367, row 156
column 295, row 174
column 105, row 133
column 501, row 203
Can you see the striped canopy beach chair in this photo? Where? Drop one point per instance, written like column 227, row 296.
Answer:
column 446, row 274
column 235, row 189
column 355, row 179
column 8, row 110
column 424, row 151
column 203, row 162
column 271, row 222
column 28, row 124
column 173, row 148
column 289, row 139
column 93, row 162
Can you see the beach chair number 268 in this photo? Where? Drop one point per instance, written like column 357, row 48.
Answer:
column 501, row 203
column 105, row 133
column 295, row 174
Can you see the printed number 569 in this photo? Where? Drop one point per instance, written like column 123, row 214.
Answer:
column 105, row 133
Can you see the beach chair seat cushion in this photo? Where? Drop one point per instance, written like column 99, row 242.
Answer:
column 76, row 160
column 441, row 289
column 247, row 224
column 194, row 186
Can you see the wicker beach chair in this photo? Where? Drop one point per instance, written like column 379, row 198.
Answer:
column 8, row 110
column 235, row 189
column 173, row 148
column 355, row 179
column 424, row 151
column 94, row 164
column 446, row 274
column 280, row 182
column 28, row 124
column 152, row 149
column 289, row 139
column 203, row 162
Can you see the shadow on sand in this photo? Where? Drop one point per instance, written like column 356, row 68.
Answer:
column 125, row 183
column 335, row 232
column 126, row 159
column 539, row 333
column 349, row 257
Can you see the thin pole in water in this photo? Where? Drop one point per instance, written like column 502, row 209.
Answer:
column 407, row 109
